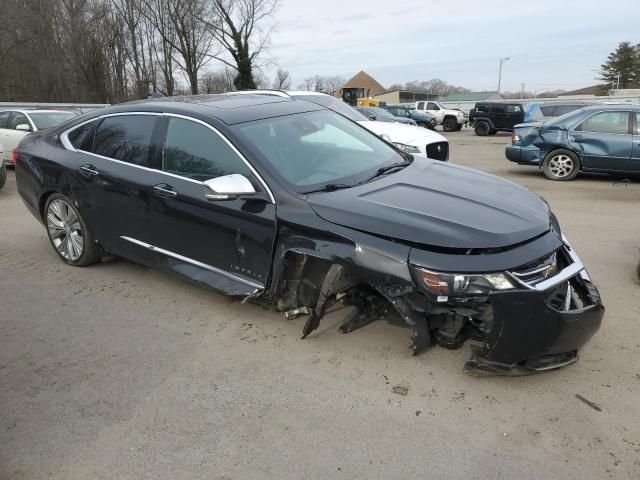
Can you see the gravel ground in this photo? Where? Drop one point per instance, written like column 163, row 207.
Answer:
column 118, row 371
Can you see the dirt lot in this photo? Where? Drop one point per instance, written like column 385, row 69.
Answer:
column 117, row 371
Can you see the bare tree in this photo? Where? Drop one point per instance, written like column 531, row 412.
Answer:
column 218, row 82
column 237, row 26
column 282, row 80
column 333, row 84
column 308, row 83
column 181, row 24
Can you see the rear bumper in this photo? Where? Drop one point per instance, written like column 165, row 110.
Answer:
column 524, row 155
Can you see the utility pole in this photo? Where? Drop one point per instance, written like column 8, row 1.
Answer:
column 502, row 60
column 522, row 91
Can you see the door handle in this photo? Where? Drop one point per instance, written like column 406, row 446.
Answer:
column 89, row 170
column 165, row 191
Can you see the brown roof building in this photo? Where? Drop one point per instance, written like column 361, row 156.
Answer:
column 362, row 85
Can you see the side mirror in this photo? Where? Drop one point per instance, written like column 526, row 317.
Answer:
column 228, row 187
column 23, row 127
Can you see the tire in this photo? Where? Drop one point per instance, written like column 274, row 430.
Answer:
column 449, row 124
column 482, row 129
column 561, row 165
column 3, row 174
column 458, row 128
column 64, row 222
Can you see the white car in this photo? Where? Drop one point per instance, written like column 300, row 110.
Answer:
column 408, row 138
column 451, row 119
column 15, row 124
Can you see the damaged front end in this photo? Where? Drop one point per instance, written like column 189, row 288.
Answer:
column 521, row 320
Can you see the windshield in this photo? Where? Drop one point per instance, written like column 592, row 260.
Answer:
column 334, row 104
column 44, row 120
column 314, row 149
column 381, row 112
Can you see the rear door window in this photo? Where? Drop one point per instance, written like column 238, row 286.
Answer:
column 606, row 122
column 81, row 137
column 126, row 138
column 498, row 109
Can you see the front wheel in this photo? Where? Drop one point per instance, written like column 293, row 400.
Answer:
column 68, row 232
column 561, row 165
column 449, row 124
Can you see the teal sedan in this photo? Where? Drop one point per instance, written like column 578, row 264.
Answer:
column 600, row 138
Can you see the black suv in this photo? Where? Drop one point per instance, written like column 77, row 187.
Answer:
column 487, row 118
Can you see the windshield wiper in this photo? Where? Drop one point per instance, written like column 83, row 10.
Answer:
column 385, row 170
column 330, row 187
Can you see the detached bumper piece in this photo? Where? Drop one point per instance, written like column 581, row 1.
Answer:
column 540, row 328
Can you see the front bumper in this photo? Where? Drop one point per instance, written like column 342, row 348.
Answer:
column 524, row 155
column 540, row 327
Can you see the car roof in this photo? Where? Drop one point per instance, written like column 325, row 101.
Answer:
column 230, row 109
column 613, row 106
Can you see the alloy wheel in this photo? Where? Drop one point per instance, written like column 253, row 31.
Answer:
column 65, row 230
column 561, row 165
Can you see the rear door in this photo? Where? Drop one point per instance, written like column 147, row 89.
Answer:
column 604, row 140
column 113, row 164
column 497, row 116
column 514, row 114
column 230, row 241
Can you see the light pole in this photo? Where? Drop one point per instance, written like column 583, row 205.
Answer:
column 502, row 60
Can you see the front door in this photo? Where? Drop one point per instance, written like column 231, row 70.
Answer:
column 634, row 161
column 231, row 241
column 604, row 141
column 514, row 114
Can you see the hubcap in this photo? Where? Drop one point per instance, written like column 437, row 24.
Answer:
column 561, row 165
column 65, row 230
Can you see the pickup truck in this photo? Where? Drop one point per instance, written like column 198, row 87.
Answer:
column 450, row 119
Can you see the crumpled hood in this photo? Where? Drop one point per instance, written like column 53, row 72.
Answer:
column 438, row 204
column 407, row 134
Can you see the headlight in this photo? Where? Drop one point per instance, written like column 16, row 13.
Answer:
column 515, row 139
column 445, row 285
column 407, row 148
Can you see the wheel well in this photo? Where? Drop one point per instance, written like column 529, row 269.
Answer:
column 485, row 120
column 43, row 201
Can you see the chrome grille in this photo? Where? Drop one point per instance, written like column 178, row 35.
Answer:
column 537, row 271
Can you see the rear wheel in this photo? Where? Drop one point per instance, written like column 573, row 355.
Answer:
column 482, row 129
column 449, row 124
column 68, row 232
column 3, row 174
column 561, row 165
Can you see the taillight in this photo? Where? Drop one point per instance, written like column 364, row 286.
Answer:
column 14, row 156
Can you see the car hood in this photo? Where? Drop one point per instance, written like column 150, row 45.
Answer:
column 438, row 204
column 407, row 134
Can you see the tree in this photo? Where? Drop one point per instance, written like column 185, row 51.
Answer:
column 237, row 26
column 282, row 80
column 622, row 68
column 434, row 86
column 181, row 25
column 218, row 82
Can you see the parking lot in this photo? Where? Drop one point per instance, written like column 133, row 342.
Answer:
column 119, row 371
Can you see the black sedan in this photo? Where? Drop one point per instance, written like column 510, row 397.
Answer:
column 287, row 203
column 598, row 138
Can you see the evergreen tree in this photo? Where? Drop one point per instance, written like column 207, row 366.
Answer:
column 622, row 64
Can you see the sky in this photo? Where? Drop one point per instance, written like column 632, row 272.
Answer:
column 551, row 44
